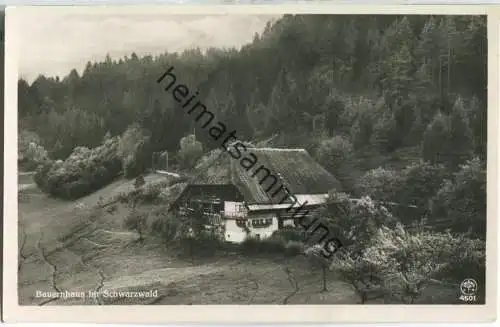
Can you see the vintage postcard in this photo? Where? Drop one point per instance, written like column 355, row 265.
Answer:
column 251, row 164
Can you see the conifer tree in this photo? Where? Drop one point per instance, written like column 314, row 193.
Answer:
column 461, row 143
column 436, row 138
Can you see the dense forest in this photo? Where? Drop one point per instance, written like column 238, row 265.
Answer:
column 378, row 81
column 371, row 97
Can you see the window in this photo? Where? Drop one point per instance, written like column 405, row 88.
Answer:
column 257, row 236
column 241, row 223
column 262, row 223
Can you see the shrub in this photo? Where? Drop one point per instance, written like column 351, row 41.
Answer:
column 294, row 248
column 380, row 184
column 363, row 271
column 419, row 184
column 30, row 153
column 417, row 258
column 272, row 245
column 83, row 172
column 252, row 245
column 150, row 193
column 436, row 139
column 355, row 221
column 190, row 151
column 336, row 155
column 206, row 244
column 139, row 181
column 170, row 193
column 168, row 227
column 462, row 200
column 41, row 175
column 134, row 151
column 130, row 167
column 136, row 221
column 468, row 259
column 290, row 234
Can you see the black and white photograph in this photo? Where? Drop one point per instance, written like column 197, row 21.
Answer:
column 251, row 159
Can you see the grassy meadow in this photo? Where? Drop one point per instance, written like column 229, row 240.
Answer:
column 74, row 246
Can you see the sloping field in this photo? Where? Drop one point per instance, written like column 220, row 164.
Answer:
column 72, row 247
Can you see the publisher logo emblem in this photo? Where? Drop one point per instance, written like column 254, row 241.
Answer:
column 468, row 287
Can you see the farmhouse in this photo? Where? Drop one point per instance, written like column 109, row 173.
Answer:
column 234, row 204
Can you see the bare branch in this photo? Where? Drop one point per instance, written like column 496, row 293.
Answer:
column 293, row 282
column 256, row 290
column 21, row 247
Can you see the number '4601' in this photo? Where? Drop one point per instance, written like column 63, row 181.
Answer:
column 468, row 298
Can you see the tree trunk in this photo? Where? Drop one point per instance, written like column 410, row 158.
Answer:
column 440, row 77
column 449, row 67
column 191, row 250
column 363, row 297
column 324, row 280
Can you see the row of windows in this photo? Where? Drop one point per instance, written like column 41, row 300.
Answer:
column 260, row 222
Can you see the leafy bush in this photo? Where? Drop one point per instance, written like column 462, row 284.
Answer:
column 272, row 245
column 420, row 183
column 136, row 221
column 468, row 259
column 294, row 248
column 147, row 193
column 130, row 167
column 365, row 272
column 355, row 221
column 252, row 245
column 30, row 153
column 385, row 135
column 134, row 151
column 190, row 151
column 290, row 234
column 462, row 200
column 83, row 172
column 336, row 155
column 436, row 139
column 168, row 227
column 205, row 244
column 40, row 176
column 151, row 192
column 380, row 184
column 170, row 193
column 415, row 259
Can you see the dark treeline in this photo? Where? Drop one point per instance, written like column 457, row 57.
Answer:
column 383, row 83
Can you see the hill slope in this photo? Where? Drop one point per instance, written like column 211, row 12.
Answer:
column 71, row 246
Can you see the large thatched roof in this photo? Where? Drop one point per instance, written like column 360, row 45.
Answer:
column 297, row 170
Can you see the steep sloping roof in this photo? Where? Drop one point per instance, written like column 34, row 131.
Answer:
column 298, row 171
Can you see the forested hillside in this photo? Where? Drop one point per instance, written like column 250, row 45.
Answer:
column 377, row 81
column 358, row 92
